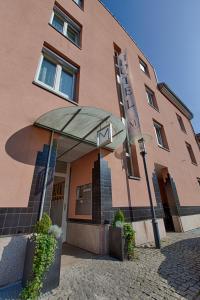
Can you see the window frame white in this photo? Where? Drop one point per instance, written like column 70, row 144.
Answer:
column 181, row 123
column 67, row 22
column 143, row 67
column 61, row 64
column 150, row 93
column 191, row 153
column 158, row 126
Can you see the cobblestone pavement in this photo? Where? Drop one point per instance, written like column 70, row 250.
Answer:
column 172, row 273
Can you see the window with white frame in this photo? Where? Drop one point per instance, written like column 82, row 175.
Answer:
column 160, row 135
column 64, row 24
column 180, row 120
column 151, row 98
column 191, row 153
column 57, row 75
column 143, row 66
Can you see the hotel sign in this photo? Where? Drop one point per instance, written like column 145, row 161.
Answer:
column 132, row 119
column 104, row 135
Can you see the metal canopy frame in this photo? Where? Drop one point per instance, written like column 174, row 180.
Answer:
column 51, row 120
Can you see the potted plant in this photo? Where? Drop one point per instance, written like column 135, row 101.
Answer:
column 43, row 259
column 121, row 238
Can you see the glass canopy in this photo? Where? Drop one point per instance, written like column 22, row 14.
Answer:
column 82, row 124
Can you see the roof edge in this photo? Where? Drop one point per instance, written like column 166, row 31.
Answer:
column 172, row 97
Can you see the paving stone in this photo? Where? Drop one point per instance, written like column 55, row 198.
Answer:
column 171, row 273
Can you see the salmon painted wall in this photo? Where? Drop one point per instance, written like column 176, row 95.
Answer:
column 22, row 102
column 81, row 173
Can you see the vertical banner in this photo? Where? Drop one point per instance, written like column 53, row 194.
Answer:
column 130, row 109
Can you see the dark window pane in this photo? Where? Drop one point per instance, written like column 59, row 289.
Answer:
column 159, row 135
column 79, row 2
column 58, row 23
column 191, row 153
column 72, row 34
column 67, row 84
column 47, row 72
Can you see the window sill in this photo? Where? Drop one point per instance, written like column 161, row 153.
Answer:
column 134, row 177
column 78, row 46
column 53, row 92
column 164, row 148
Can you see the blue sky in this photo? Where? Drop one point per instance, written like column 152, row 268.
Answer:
column 168, row 32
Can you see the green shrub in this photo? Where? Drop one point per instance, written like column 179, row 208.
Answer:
column 128, row 232
column 118, row 218
column 44, row 255
column 129, row 235
column 43, row 225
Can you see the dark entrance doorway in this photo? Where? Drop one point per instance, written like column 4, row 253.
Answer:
column 166, row 192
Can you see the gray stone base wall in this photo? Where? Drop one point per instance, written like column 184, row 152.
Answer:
column 190, row 222
column 94, row 238
column 12, row 255
column 144, row 231
column 91, row 237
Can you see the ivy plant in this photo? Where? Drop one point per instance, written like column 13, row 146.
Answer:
column 129, row 235
column 44, row 254
column 128, row 232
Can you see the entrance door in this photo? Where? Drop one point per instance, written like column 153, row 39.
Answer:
column 58, row 211
column 168, row 220
column 57, row 200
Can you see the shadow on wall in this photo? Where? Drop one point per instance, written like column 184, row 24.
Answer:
column 181, row 267
column 24, row 144
column 12, row 255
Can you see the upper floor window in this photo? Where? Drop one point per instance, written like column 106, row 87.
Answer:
column 160, row 135
column 143, row 67
column 64, row 24
column 180, row 120
column 79, row 3
column 57, row 75
column 151, row 98
column 191, row 153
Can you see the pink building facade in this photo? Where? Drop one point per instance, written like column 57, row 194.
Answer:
column 60, row 85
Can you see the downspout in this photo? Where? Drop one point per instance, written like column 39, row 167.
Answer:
column 46, row 176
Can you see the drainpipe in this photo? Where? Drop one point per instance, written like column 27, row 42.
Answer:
column 46, row 176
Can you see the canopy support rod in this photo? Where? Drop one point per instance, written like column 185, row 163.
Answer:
column 46, row 176
column 85, row 136
column 76, row 113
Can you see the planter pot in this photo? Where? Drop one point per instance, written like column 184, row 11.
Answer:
column 52, row 276
column 117, row 244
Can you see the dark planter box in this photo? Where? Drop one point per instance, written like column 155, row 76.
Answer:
column 52, row 276
column 117, row 244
